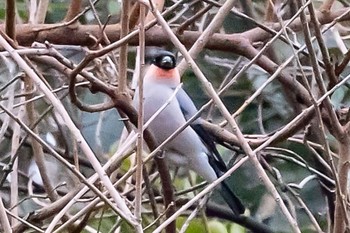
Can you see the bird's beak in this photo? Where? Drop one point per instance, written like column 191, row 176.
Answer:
column 167, row 62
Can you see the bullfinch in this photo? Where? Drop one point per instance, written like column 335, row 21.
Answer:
column 193, row 148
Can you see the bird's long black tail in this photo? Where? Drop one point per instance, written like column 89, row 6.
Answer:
column 231, row 199
column 220, row 168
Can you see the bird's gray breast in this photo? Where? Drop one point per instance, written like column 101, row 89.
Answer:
column 169, row 120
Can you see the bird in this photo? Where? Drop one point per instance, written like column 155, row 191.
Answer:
column 193, row 148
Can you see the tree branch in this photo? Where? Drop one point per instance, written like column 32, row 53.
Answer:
column 10, row 27
column 73, row 10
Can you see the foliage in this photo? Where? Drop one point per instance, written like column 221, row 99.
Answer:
column 302, row 162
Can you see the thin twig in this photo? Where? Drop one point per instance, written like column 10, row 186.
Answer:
column 139, row 150
column 278, row 72
column 131, row 35
column 301, row 115
column 75, row 132
column 118, row 157
column 193, row 18
column 328, row 66
column 343, row 64
column 214, row 25
column 337, row 129
column 23, row 141
column 156, row 150
column 88, row 183
column 37, row 149
column 37, row 229
column 208, row 189
column 304, row 165
column 86, row 209
column 123, row 50
column 296, row 195
column 194, row 213
column 41, row 11
column 14, row 147
column 3, row 218
column 66, row 23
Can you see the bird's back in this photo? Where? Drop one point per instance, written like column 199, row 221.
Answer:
column 169, row 120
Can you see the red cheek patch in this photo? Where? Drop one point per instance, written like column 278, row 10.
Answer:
column 164, row 74
column 170, row 77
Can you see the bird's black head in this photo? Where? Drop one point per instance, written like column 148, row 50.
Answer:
column 164, row 60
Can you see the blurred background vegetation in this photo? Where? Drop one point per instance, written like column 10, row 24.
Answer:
column 292, row 164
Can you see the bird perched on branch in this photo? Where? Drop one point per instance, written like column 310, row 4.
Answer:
column 193, row 148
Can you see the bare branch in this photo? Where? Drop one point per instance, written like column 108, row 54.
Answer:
column 37, row 149
column 41, row 11
column 123, row 50
column 73, row 10
column 326, row 6
column 139, row 152
column 3, row 218
column 77, row 134
column 10, row 27
column 203, row 39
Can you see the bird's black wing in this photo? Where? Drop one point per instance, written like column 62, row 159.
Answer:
column 219, row 167
column 189, row 110
column 215, row 160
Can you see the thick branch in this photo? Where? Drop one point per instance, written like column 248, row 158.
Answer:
column 27, row 34
column 343, row 168
column 10, row 18
column 73, row 10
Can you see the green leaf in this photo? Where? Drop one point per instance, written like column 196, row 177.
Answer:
column 235, row 228
column 196, row 225
column 217, row 227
